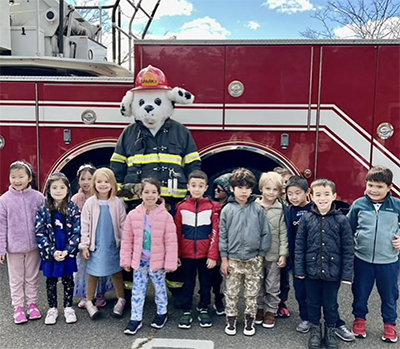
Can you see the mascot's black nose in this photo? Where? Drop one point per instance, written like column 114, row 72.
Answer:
column 148, row 108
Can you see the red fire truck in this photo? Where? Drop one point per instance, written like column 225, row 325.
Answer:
column 319, row 108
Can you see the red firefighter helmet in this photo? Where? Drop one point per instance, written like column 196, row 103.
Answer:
column 151, row 78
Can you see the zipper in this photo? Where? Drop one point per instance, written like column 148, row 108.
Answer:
column 320, row 246
column 195, row 230
column 376, row 231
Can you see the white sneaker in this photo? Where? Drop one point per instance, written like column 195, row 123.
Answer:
column 51, row 317
column 69, row 315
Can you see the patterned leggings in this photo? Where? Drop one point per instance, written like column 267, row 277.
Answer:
column 51, row 288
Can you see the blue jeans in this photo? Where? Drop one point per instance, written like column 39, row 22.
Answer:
column 386, row 278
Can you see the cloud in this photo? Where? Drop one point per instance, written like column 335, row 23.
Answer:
column 389, row 29
column 289, row 6
column 253, row 25
column 202, row 28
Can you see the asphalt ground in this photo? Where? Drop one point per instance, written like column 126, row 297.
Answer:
column 107, row 332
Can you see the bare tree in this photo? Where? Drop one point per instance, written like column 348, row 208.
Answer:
column 364, row 19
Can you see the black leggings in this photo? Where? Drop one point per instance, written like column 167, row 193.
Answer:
column 51, row 288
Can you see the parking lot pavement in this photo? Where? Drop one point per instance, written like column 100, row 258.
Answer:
column 107, row 332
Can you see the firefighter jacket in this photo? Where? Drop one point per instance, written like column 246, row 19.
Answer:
column 170, row 156
column 197, row 225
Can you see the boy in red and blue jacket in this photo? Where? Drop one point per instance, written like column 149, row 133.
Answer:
column 197, row 221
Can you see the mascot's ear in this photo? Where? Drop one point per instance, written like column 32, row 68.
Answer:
column 126, row 109
column 181, row 96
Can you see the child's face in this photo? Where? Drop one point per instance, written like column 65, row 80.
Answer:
column 377, row 191
column 323, row 198
column 242, row 194
column 102, row 185
column 84, row 181
column 58, row 190
column 270, row 192
column 219, row 193
column 197, row 187
column 150, row 195
column 19, row 179
column 297, row 196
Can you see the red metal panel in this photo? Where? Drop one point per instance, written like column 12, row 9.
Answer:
column 17, row 91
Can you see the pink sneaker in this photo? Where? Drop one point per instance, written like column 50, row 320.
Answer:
column 33, row 312
column 82, row 303
column 100, row 301
column 19, row 316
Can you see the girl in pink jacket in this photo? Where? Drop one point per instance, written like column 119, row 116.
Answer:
column 149, row 246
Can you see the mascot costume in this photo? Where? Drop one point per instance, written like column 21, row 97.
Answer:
column 154, row 146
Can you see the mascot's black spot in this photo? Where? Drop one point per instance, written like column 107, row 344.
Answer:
column 188, row 95
column 180, row 93
column 173, row 104
column 158, row 101
column 141, row 102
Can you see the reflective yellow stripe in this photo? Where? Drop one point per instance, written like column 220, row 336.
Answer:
column 141, row 159
column 119, row 185
column 179, row 193
column 118, row 158
column 190, row 158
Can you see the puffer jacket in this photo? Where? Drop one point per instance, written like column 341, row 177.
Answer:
column 374, row 231
column 45, row 234
column 277, row 225
column 17, row 220
column 197, row 225
column 164, row 244
column 171, row 153
column 243, row 231
column 324, row 246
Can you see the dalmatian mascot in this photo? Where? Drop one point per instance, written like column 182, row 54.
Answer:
column 154, row 145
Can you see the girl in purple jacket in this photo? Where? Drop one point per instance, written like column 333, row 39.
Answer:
column 18, row 208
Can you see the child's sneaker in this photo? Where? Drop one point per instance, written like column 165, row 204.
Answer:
column 344, row 334
column 82, row 303
column 119, row 307
column 204, row 318
column 249, row 329
column 33, row 312
column 359, row 328
column 51, row 317
column 19, row 316
column 304, row 326
column 92, row 310
column 101, row 301
column 389, row 333
column 186, row 320
column 230, row 326
column 132, row 327
column 283, row 311
column 159, row 321
column 269, row 320
column 69, row 315
column 219, row 308
column 259, row 317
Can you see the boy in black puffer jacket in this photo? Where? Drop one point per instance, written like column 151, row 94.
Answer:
column 324, row 253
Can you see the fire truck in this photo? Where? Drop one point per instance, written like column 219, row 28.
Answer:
column 319, row 108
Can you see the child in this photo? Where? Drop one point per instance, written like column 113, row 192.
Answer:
column 324, row 254
column 18, row 208
column 150, row 248
column 85, row 174
column 297, row 192
column 103, row 218
column 245, row 239
column 374, row 220
column 57, row 235
column 271, row 185
column 197, row 221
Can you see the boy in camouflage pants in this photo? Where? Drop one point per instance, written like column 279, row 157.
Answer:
column 244, row 241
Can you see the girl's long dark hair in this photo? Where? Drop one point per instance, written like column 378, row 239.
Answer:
column 49, row 199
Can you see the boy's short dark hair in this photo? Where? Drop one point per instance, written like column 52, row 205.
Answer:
column 323, row 182
column 297, row 181
column 242, row 177
column 198, row 174
column 380, row 173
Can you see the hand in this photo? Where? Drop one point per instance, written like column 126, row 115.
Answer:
column 57, row 255
column 211, row 263
column 127, row 269
column 85, row 253
column 396, row 242
column 2, row 259
column 225, row 269
column 179, row 262
column 301, row 277
column 281, row 262
column 127, row 191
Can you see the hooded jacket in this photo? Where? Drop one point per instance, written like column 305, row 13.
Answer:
column 243, row 231
column 17, row 220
